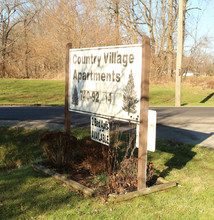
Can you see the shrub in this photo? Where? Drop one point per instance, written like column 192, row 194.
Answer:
column 66, row 151
column 58, row 147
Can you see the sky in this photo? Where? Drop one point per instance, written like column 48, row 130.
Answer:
column 205, row 18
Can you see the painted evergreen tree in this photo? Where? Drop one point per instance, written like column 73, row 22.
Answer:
column 130, row 96
column 75, row 99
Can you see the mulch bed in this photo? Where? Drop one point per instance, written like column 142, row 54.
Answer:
column 88, row 163
column 81, row 175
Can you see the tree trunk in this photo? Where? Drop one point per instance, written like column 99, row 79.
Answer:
column 3, row 44
column 26, row 50
column 170, row 48
column 117, row 22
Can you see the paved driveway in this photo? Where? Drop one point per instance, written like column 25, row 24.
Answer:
column 193, row 125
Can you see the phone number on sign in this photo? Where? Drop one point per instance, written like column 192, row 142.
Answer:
column 95, row 96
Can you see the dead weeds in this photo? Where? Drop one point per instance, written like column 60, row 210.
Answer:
column 92, row 164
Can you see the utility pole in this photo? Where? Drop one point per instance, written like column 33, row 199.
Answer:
column 179, row 55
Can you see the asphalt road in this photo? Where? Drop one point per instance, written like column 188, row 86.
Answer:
column 193, row 125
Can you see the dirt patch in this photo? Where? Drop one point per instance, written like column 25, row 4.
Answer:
column 84, row 161
column 82, row 176
column 92, row 164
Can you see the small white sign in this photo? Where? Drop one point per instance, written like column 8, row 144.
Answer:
column 100, row 130
column 151, row 137
column 151, row 140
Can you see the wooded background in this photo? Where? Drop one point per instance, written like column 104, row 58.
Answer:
column 34, row 34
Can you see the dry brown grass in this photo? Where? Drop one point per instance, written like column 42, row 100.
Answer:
column 202, row 82
column 210, row 84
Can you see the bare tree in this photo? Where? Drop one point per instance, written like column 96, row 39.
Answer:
column 8, row 21
column 13, row 14
column 147, row 17
column 113, row 10
column 82, row 23
column 33, row 33
column 199, row 58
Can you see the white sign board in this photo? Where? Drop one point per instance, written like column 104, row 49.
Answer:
column 151, row 137
column 100, row 130
column 106, row 81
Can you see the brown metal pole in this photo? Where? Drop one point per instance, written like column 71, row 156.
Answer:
column 144, row 106
column 67, row 125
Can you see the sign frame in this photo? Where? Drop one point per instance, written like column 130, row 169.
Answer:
column 144, row 106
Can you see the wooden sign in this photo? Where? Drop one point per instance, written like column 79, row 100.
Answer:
column 106, row 81
column 113, row 82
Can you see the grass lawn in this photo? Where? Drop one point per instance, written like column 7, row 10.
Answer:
column 165, row 96
column 27, row 194
column 51, row 92
column 32, row 92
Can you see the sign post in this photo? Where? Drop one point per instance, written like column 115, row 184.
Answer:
column 144, row 106
column 67, row 125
